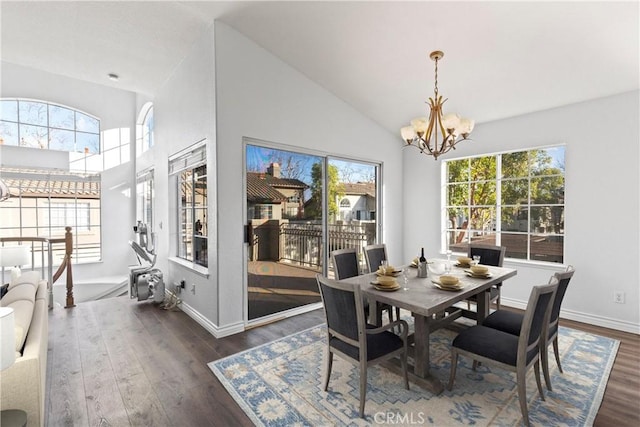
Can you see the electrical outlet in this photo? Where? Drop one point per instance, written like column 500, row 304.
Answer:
column 193, row 288
column 618, row 297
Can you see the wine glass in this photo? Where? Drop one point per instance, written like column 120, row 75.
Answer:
column 448, row 265
column 476, row 260
column 383, row 266
column 405, row 279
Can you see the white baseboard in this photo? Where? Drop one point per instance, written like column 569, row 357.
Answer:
column 577, row 316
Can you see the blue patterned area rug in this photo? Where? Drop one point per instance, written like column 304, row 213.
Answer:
column 280, row 384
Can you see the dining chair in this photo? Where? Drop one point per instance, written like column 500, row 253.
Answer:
column 509, row 321
column 350, row 337
column 516, row 353
column 373, row 256
column 345, row 265
column 489, row 255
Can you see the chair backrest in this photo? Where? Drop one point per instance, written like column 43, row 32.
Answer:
column 373, row 255
column 563, row 279
column 345, row 263
column 343, row 308
column 535, row 318
column 489, row 254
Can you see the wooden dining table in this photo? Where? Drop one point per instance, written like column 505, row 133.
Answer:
column 431, row 307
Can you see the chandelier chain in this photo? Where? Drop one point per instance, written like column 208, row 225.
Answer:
column 436, row 84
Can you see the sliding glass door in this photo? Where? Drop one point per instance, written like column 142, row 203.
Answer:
column 296, row 202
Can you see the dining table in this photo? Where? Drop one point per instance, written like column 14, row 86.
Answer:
column 432, row 308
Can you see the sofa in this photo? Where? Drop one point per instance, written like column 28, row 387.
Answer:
column 22, row 385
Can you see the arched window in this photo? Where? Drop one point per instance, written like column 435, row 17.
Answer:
column 144, row 139
column 40, row 124
column 345, row 203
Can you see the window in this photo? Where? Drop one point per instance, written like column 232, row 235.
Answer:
column 38, row 124
column 43, row 203
column 116, row 150
column 145, row 197
column 144, row 139
column 513, row 199
column 191, row 171
column 263, row 212
column 345, row 203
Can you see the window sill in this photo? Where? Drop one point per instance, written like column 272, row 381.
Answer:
column 198, row 269
column 518, row 262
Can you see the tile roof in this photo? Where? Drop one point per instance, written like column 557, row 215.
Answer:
column 55, row 188
column 259, row 190
column 360, row 188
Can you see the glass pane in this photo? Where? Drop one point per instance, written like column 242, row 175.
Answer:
column 515, row 165
column 34, row 113
column 483, row 238
column 458, row 170
column 88, row 142
column 63, row 140
column 285, row 214
column 60, row 117
column 85, row 123
column 483, row 219
column 515, row 192
column 549, row 161
column 9, row 110
column 547, row 248
column 483, row 193
column 515, row 219
column 34, row 136
column 458, row 194
column 10, row 214
column 483, row 168
column 547, row 190
column 516, row 245
column 9, row 133
column 547, row 219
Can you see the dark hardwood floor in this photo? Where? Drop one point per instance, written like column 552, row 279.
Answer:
column 117, row 362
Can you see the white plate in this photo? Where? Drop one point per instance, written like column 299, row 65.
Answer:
column 385, row 288
column 459, row 287
column 478, row 276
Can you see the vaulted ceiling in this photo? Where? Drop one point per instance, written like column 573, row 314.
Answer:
column 501, row 58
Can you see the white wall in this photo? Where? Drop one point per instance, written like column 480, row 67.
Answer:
column 601, row 211
column 184, row 113
column 115, row 109
column 261, row 97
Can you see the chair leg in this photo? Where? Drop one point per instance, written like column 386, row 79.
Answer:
column 363, row 386
column 454, row 365
column 536, row 366
column 556, row 352
column 521, row 379
column 329, row 366
column 405, row 366
column 544, row 358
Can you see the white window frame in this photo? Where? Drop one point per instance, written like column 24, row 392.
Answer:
column 497, row 230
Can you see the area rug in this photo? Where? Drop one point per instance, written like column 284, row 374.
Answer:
column 280, row 384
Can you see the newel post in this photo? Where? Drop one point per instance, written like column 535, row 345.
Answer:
column 68, row 250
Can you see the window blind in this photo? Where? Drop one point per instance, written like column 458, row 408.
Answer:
column 192, row 157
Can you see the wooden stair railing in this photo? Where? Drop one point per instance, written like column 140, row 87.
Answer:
column 66, row 264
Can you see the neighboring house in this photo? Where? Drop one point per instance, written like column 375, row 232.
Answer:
column 358, row 201
column 271, row 197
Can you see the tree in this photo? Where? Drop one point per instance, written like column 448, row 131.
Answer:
column 335, row 192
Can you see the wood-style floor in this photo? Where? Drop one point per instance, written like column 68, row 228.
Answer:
column 117, row 362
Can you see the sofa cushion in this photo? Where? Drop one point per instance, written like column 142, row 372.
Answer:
column 30, row 277
column 22, row 299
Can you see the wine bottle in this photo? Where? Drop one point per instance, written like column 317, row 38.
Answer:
column 422, row 258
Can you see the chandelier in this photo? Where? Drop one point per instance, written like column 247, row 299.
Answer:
column 439, row 133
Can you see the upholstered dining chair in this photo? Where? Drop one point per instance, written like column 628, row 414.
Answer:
column 346, row 265
column 350, row 337
column 373, row 256
column 511, row 322
column 511, row 352
column 489, row 255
